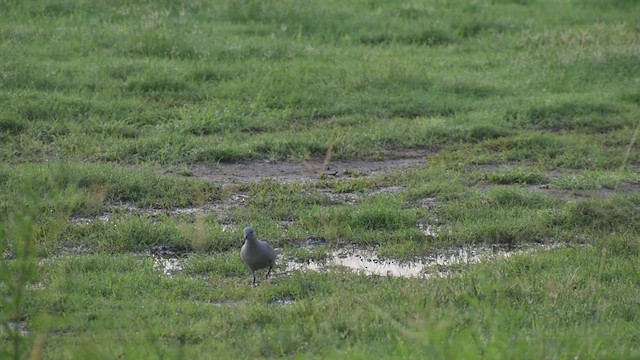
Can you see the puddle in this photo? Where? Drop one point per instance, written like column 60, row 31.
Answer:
column 388, row 190
column 166, row 258
column 427, row 230
column 168, row 266
column 19, row 326
column 366, row 261
column 287, row 300
column 36, row 286
column 283, row 301
column 226, row 303
column 87, row 220
column 358, row 260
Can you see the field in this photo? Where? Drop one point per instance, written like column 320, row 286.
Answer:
column 138, row 139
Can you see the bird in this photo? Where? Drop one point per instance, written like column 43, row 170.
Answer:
column 257, row 254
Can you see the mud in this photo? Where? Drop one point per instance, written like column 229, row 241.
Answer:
column 286, row 171
column 131, row 209
column 169, row 261
column 237, row 200
column 310, row 242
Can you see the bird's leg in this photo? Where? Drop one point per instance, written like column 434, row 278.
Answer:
column 268, row 272
column 253, row 273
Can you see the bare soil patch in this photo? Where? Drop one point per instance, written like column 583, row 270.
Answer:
column 311, row 170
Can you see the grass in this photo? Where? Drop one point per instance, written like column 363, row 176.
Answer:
column 567, row 291
column 526, row 114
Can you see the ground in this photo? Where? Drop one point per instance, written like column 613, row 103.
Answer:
column 477, row 163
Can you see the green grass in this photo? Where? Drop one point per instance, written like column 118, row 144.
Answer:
column 111, row 184
column 527, row 112
column 262, row 78
column 119, row 302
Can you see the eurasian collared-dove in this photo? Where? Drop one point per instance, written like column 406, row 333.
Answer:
column 256, row 253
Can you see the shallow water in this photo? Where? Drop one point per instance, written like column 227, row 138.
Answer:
column 366, row 261
column 168, row 266
column 19, row 326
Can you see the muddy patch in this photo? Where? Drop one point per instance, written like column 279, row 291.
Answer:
column 131, row 209
column 281, row 171
column 351, row 198
column 311, row 242
column 235, row 200
column 220, row 208
column 286, row 171
column 348, row 198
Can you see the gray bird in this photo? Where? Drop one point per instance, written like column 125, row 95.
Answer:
column 257, row 254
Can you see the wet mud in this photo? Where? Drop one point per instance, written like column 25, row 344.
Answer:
column 311, row 170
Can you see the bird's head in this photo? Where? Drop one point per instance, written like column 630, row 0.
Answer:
column 249, row 233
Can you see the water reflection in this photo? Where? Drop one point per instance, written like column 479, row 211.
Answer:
column 168, row 266
column 366, row 261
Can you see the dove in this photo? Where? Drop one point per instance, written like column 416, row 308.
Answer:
column 257, row 254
